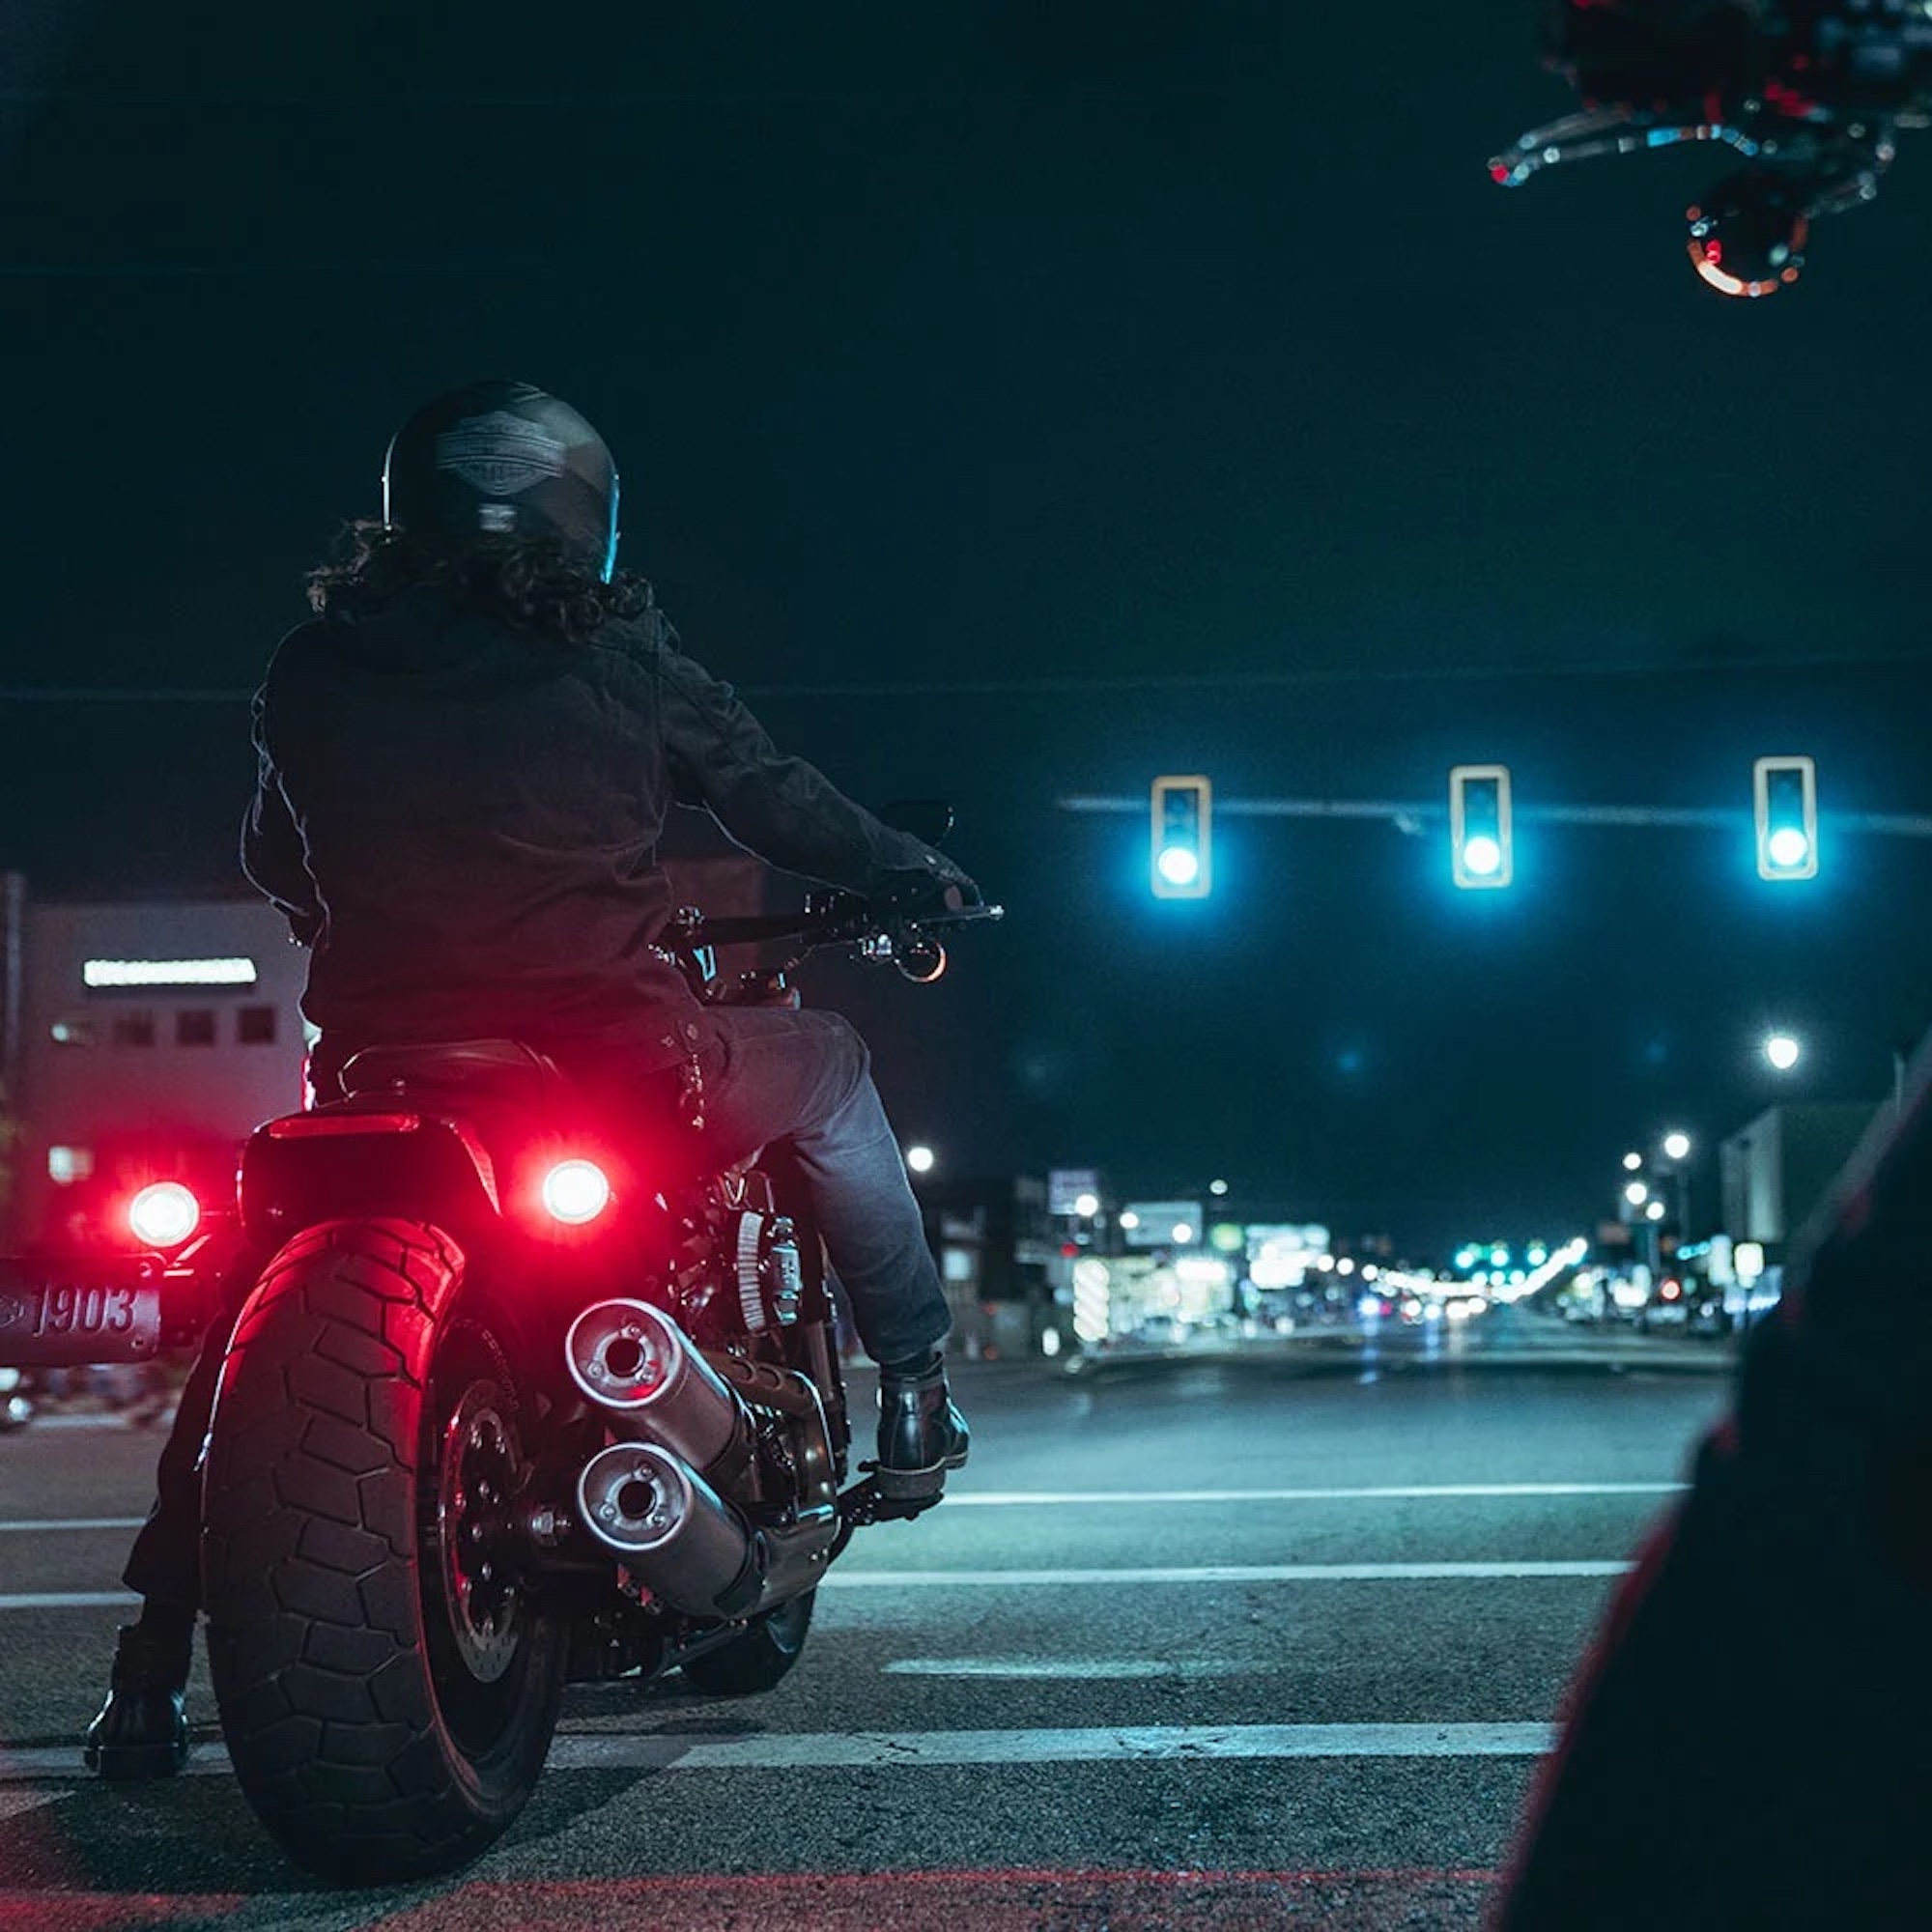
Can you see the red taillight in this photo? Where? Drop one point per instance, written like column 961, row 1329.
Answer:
column 324, row 1126
column 575, row 1191
column 163, row 1215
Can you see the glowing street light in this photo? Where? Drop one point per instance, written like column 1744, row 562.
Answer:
column 1631, row 1162
column 1653, row 1210
column 1783, row 1050
column 1636, row 1194
column 920, row 1158
column 1676, row 1145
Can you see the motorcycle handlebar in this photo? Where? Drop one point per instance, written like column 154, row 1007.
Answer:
column 842, row 919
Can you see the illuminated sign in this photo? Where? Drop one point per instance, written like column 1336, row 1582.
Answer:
column 168, row 973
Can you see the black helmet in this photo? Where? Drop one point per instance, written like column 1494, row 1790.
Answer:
column 504, row 459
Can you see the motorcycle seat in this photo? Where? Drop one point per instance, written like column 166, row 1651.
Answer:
column 500, row 1069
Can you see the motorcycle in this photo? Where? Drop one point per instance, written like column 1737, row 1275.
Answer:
column 513, row 1402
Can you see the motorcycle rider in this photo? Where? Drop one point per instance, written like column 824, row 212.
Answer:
column 467, row 759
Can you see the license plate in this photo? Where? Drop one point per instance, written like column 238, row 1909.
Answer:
column 62, row 1312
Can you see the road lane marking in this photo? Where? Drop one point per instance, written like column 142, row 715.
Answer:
column 63, row 1522
column 69, row 1600
column 23, row 1798
column 812, row 1751
column 1059, row 1498
column 1064, row 1498
column 1124, row 1669
column 1002, row 1579
column 1213, row 1572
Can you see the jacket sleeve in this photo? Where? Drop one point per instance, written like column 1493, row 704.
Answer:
column 271, row 845
column 785, row 809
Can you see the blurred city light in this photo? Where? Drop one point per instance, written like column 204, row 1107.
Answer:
column 1782, row 1051
column 920, row 1159
column 1676, row 1145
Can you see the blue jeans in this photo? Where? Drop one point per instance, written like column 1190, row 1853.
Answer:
column 804, row 1077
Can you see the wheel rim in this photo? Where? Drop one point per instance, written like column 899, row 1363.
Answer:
column 476, row 1479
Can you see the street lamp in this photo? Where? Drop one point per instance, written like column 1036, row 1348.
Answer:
column 1637, row 1193
column 1783, row 1050
column 1631, row 1162
column 1676, row 1145
column 920, row 1158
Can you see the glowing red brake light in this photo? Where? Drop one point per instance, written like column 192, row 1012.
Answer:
column 575, row 1191
column 163, row 1215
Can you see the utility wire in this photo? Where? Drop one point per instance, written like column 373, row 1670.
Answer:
column 1072, row 683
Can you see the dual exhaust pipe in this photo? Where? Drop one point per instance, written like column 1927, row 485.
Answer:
column 653, row 1499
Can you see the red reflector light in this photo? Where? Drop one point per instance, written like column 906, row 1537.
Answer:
column 575, row 1191
column 319, row 1127
column 163, row 1215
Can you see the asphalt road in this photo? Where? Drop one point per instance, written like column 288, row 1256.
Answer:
column 1272, row 1641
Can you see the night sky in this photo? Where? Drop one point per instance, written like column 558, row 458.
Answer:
column 1016, row 401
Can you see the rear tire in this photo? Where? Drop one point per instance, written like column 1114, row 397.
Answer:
column 758, row 1659
column 386, row 1690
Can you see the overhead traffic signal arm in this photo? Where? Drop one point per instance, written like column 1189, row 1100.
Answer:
column 1180, row 854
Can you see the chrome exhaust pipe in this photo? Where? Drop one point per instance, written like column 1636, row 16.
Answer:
column 681, row 1540
column 634, row 1362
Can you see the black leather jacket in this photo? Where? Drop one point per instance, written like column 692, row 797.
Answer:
column 463, row 818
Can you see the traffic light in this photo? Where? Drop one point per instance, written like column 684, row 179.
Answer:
column 1786, row 791
column 1479, row 825
column 1181, row 851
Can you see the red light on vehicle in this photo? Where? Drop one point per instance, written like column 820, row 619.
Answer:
column 163, row 1215
column 575, row 1191
column 324, row 1126
column 1672, row 1290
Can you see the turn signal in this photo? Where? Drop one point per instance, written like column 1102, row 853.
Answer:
column 163, row 1215
column 576, row 1191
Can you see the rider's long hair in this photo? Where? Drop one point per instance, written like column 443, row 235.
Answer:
column 535, row 582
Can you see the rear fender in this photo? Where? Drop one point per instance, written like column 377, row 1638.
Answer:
column 364, row 1165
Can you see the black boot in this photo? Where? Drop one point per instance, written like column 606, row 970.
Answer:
column 922, row 1435
column 142, row 1729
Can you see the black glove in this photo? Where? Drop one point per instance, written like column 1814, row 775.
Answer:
column 932, row 892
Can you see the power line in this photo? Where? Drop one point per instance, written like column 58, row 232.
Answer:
column 1076, row 683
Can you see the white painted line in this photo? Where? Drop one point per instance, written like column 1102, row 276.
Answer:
column 810, row 1751
column 45, row 1421
column 1096, row 1670
column 64, row 1523
column 1058, row 1498
column 69, row 1600
column 14, row 1803
column 1064, row 1498
column 1002, row 1579
column 1210, row 1573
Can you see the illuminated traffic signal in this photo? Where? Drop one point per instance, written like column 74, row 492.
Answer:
column 1786, row 791
column 1181, row 851
column 1479, row 825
